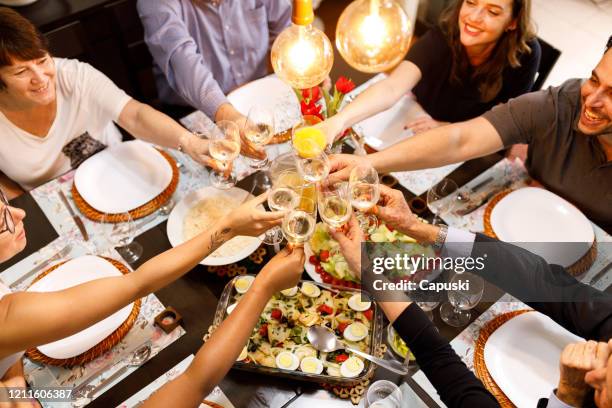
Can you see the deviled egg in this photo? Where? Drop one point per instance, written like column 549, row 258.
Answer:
column 310, row 290
column 290, row 292
column 311, row 365
column 287, row 361
column 356, row 304
column 355, row 332
column 231, row 308
column 352, row 367
column 243, row 283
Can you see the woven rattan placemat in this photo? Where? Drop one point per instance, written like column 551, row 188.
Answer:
column 577, row 268
column 142, row 211
column 100, row 348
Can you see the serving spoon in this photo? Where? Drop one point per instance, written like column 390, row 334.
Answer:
column 323, row 339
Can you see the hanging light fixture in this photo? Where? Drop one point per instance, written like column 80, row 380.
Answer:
column 302, row 55
column 373, row 35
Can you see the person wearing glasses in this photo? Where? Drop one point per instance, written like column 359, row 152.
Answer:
column 20, row 312
column 55, row 112
column 549, row 289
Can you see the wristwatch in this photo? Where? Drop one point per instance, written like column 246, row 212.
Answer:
column 441, row 237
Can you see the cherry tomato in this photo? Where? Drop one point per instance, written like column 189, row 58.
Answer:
column 340, row 358
column 324, row 255
column 319, row 269
column 369, row 314
column 313, row 260
column 327, row 278
column 276, row 314
column 342, row 327
column 263, row 330
column 326, row 310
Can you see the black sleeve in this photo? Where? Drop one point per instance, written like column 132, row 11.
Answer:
column 549, row 289
column 429, row 51
column 520, row 80
column 455, row 383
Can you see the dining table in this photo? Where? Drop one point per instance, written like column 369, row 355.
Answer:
column 196, row 294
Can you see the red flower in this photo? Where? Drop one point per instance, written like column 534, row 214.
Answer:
column 311, row 109
column 344, row 85
column 311, row 94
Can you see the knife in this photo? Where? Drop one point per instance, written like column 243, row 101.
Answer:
column 600, row 274
column 77, row 220
column 469, row 208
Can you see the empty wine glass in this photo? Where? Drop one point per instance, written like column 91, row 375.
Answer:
column 465, row 296
column 259, row 129
column 299, row 223
column 283, row 196
column 334, row 204
column 121, row 236
column 224, row 148
column 364, row 193
column 428, row 307
column 437, row 201
column 313, row 169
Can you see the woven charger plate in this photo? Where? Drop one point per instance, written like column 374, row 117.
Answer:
column 102, row 347
column 577, row 268
column 142, row 211
column 479, row 362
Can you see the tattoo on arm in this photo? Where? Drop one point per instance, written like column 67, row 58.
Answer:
column 218, row 238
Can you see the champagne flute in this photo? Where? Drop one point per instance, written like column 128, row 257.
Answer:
column 282, row 197
column 224, row 148
column 299, row 224
column 456, row 312
column 364, row 193
column 437, row 201
column 121, row 236
column 334, row 204
column 259, row 130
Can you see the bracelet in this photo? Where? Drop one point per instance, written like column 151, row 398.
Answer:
column 441, row 237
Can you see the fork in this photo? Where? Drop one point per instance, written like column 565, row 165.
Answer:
column 43, row 265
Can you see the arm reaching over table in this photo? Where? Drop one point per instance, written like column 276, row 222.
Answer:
column 217, row 356
column 93, row 301
column 437, row 147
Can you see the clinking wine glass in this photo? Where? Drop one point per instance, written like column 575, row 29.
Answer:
column 121, row 236
column 283, row 196
column 299, row 224
column 334, row 204
column 314, row 167
column 259, row 130
column 364, row 192
column 456, row 312
column 437, row 200
column 224, row 148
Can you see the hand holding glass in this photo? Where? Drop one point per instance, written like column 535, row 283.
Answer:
column 224, row 147
column 334, row 204
column 259, row 130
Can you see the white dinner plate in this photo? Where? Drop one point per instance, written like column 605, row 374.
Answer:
column 174, row 228
column 532, row 215
column 272, row 93
column 72, row 273
column 310, row 268
column 523, row 354
column 123, row 177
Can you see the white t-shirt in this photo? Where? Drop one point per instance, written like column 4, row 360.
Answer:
column 7, row 362
column 87, row 101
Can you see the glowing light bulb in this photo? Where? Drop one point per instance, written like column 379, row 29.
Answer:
column 373, row 35
column 302, row 55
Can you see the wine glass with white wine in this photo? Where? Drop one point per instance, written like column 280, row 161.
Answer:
column 283, row 196
column 313, row 168
column 334, row 204
column 224, row 148
column 299, row 224
column 259, row 130
column 364, row 192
